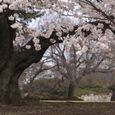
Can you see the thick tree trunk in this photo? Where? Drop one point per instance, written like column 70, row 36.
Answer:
column 4, row 98
column 9, row 90
column 13, row 88
column 7, row 34
column 113, row 93
column 71, row 90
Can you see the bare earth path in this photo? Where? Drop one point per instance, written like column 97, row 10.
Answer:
column 60, row 108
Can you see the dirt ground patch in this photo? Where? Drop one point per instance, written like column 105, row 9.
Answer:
column 60, row 109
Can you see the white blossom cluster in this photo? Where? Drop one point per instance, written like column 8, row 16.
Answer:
column 58, row 19
column 15, row 5
column 22, row 38
column 18, row 6
column 96, row 41
column 47, row 24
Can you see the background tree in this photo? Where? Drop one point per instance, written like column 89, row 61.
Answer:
column 73, row 67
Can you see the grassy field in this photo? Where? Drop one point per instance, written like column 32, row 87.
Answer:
column 87, row 91
column 59, row 109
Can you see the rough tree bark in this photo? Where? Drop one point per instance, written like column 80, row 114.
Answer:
column 71, row 90
column 6, row 50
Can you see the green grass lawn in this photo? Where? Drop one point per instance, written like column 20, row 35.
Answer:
column 87, row 91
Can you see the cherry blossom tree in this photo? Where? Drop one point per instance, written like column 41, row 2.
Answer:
column 97, row 29
column 73, row 67
column 21, row 45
